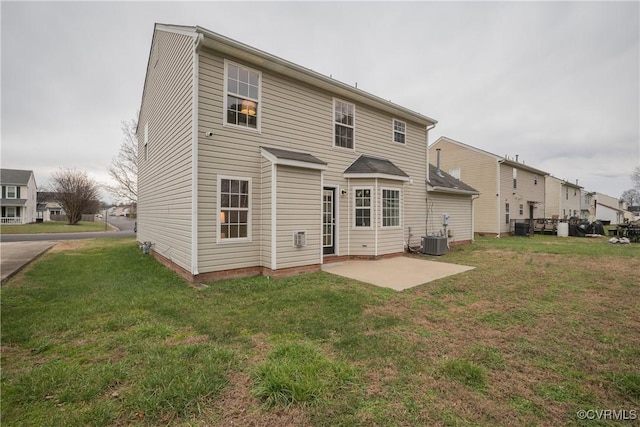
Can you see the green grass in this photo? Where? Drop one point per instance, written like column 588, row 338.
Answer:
column 100, row 335
column 53, row 227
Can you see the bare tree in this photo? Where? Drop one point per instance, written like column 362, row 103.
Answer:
column 124, row 166
column 76, row 193
column 632, row 197
column 635, row 177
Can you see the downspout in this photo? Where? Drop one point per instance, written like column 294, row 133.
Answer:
column 197, row 43
column 473, row 217
column 426, row 180
column 498, row 197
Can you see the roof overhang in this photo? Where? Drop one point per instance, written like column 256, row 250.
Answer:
column 376, row 175
column 522, row 166
column 457, row 191
column 292, row 162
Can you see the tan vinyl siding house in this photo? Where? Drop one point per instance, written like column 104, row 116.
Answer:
column 250, row 164
column 509, row 190
column 562, row 198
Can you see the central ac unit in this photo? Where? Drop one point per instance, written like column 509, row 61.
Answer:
column 434, row 245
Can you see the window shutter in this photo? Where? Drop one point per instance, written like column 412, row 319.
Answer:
column 18, row 192
column 18, row 212
column 4, row 192
column 4, row 210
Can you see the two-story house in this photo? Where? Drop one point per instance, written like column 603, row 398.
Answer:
column 19, row 194
column 250, row 164
column 609, row 209
column 509, row 189
column 562, row 198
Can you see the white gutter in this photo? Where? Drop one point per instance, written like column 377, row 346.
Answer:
column 197, row 42
column 426, row 179
column 274, row 215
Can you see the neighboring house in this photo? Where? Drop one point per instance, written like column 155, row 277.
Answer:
column 250, row 164
column 48, row 207
column 562, row 198
column 18, row 196
column 607, row 208
column 587, row 207
column 635, row 213
column 509, row 190
column 450, row 206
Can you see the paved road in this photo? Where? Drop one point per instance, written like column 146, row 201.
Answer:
column 125, row 226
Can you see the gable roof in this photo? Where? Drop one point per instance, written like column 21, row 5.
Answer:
column 447, row 183
column 292, row 158
column 259, row 58
column 15, row 176
column 500, row 159
column 374, row 167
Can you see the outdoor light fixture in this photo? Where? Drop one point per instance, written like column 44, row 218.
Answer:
column 248, row 107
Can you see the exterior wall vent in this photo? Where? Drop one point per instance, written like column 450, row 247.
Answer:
column 299, row 239
column 434, row 245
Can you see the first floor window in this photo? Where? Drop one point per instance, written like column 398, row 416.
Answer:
column 399, row 131
column 234, row 208
column 506, row 209
column 11, row 212
column 390, row 208
column 363, row 207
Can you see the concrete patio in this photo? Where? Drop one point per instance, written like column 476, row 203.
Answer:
column 398, row 273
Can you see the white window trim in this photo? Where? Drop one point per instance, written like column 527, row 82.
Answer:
column 225, row 99
column 334, row 123
column 11, row 212
column 219, row 208
column 393, row 132
column 390, row 227
column 15, row 191
column 372, row 198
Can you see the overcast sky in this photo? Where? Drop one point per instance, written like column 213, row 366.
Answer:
column 555, row 82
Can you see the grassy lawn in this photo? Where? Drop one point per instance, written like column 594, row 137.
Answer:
column 53, row 227
column 95, row 333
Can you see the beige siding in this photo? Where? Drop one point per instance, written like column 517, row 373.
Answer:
column 479, row 170
column 552, row 187
column 526, row 193
column 297, row 117
column 164, row 173
column 299, row 199
column 458, row 207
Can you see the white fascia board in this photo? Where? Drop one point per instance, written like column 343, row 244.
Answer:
column 376, row 175
column 265, row 60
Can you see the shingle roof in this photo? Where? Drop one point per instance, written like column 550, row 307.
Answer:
column 444, row 180
column 15, row 176
column 374, row 166
column 293, row 155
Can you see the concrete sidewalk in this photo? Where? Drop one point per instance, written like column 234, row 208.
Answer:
column 396, row 273
column 15, row 255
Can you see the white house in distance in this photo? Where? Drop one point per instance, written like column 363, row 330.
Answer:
column 19, row 192
column 562, row 198
column 250, row 164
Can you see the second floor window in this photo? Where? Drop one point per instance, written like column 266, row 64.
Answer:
column 12, row 192
column 344, row 123
column 515, row 178
column 242, row 96
column 399, row 131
